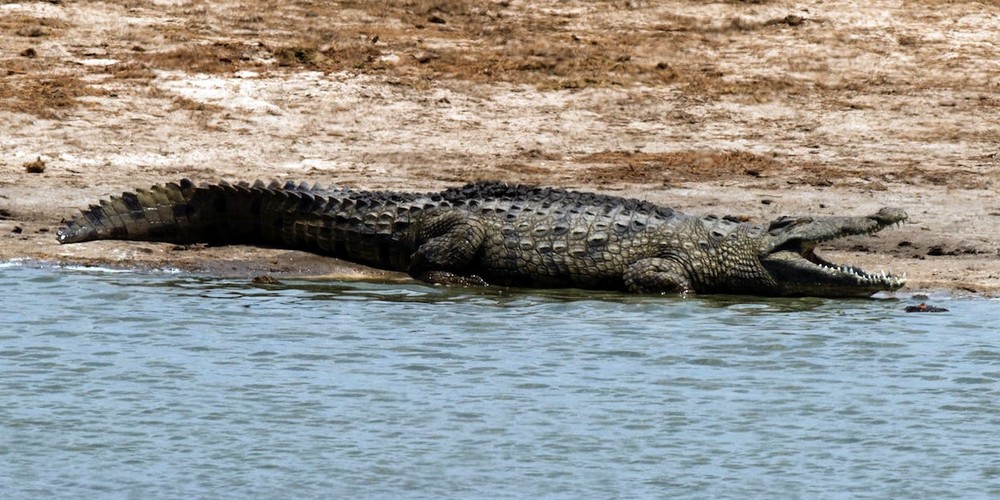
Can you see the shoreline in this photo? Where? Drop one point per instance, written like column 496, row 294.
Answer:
column 337, row 271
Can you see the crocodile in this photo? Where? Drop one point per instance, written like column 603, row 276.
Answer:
column 493, row 233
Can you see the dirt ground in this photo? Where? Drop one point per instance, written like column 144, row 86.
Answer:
column 755, row 108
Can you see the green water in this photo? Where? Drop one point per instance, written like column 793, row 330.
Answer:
column 174, row 386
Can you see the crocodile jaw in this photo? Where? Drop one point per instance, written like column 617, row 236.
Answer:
column 802, row 272
column 788, row 253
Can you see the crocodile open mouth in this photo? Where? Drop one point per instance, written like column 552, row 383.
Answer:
column 799, row 270
column 789, row 255
column 887, row 279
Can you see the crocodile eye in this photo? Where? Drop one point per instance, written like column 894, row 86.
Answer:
column 786, row 222
column 781, row 223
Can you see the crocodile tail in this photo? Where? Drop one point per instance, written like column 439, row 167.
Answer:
column 184, row 213
column 360, row 226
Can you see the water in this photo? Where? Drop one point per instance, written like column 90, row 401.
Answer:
column 175, row 386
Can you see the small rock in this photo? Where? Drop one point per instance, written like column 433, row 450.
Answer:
column 924, row 308
column 35, row 167
column 265, row 279
column 936, row 251
column 793, row 20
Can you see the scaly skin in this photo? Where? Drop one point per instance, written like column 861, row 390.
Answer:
column 493, row 233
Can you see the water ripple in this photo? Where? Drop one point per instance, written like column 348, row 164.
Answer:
column 167, row 385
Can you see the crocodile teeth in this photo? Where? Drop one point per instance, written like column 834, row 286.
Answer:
column 882, row 276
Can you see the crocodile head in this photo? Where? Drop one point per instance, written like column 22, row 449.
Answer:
column 788, row 253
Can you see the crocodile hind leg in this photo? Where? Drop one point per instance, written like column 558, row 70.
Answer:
column 657, row 275
column 450, row 240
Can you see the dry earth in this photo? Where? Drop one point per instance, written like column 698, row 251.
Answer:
column 749, row 108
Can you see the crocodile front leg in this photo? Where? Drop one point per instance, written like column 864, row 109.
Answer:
column 450, row 240
column 657, row 275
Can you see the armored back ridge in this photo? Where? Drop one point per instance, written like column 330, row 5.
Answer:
column 495, row 233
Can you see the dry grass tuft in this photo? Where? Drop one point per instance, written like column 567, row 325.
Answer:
column 735, row 51
column 217, row 57
column 45, row 97
column 27, row 26
column 184, row 103
column 412, row 41
column 130, row 71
